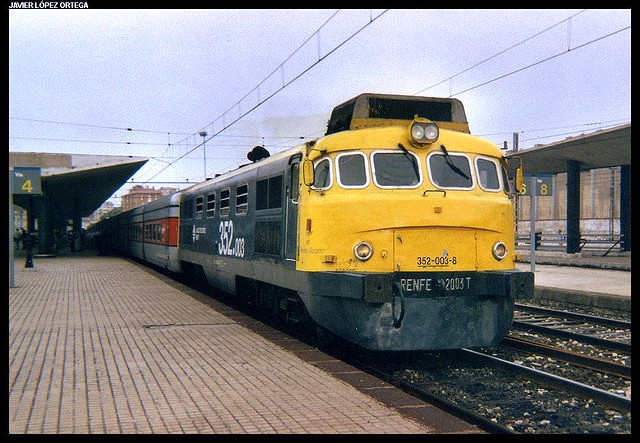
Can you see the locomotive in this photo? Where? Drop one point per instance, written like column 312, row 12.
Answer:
column 393, row 231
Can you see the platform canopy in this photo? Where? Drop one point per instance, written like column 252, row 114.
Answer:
column 605, row 148
column 85, row 181
column 600, row 149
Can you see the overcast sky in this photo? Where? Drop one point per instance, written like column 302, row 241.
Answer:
column 79, row 78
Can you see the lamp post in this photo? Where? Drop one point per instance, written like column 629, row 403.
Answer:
column 203, row 134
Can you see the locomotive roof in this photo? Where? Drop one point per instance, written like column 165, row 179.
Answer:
column 369, row 109
column 246, row 168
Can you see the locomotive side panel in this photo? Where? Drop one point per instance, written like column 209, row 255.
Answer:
column 243, row 226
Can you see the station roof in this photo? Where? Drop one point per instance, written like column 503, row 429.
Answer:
column 601, row 149
column 88, row 180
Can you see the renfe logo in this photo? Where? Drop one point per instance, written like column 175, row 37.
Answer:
column 195, row 233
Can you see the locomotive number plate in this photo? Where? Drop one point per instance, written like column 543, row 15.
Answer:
column 441, row 261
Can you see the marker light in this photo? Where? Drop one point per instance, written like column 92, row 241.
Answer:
column 424, row 132
column 499, row 250
column 363, row 251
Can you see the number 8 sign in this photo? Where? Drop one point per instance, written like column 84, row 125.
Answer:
column 543, row 185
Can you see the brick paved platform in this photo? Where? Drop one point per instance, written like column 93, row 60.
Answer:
column 98, row 345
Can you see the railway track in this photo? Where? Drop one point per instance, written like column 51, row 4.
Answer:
column 598, row 331
column 576, row 358
column 501, row 396
column 568, row 391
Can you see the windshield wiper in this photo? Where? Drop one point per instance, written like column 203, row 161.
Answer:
column 450, row 163
column 416, row 168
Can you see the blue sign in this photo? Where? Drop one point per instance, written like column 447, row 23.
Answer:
column 27, row 181
column 543, row 185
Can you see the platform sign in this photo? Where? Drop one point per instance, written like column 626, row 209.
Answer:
column 27, row 181
column 543, row 185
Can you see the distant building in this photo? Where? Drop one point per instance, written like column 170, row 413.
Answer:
column 139, row 195
column 99, row 213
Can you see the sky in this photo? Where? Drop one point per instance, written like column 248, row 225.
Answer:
column 147, row 82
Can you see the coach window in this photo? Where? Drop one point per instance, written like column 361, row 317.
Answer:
column 488, row 177
column 450, row 171
column 225, row 202
column 322, row 174
column 199, row 206
column 352, row 170
column 396, row 169
column 211, row 205
column 269, row 193
column 186, row 209
column 242, row 199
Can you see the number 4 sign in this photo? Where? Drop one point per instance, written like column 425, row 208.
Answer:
column 26, row 181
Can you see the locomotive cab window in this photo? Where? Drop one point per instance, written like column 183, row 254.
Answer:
column 488, row 176
column 352, row 170
column 451, row 171
column 506, row 187
column 396, row 169
column 322, row 174
column 294, row 182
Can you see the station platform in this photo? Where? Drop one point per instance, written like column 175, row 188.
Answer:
column 582, row 279
column 104, row 345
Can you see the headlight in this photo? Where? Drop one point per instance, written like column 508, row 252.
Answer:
column 417, row 131
column 422, row 132
column 363, row 251
column 499, row 250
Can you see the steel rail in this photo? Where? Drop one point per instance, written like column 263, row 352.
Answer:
column 594, row 363
column 596, row 341
column 604, row 321
column 612, row 400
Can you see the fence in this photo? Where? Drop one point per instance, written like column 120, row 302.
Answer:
column 558, row 242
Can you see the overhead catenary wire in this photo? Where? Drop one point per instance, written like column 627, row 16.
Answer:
column 119, row 128
column 544, row 60
column 500, row 53
column 242, row 114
